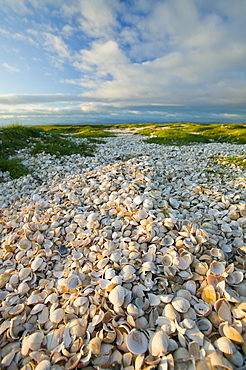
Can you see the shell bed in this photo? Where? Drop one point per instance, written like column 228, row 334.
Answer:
column 131, row 259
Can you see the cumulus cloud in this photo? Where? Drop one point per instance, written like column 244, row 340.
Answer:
column 55, row 44
column 98, row 18
column 140, row 53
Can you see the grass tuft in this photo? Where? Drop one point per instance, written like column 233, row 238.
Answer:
column 231, row 161
column 189, row 133
column 14, row 167
column 36, row 140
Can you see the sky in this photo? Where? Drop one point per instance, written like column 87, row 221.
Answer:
column 117, row 61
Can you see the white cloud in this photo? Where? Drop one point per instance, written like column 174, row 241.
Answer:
column 230, row 115
column 16, row 99
column 17, row 36
column 102, row 56
column 56, row 45
column 67, row 30
column 18, row 6
column 98, row 17
column 10, row 68
column 140, row 52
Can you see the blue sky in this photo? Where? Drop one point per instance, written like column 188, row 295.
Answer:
column 115, row 61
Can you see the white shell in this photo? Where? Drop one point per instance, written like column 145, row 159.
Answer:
column 180, row 304
column 43, row 365
column 117, row 296
column 190, row 285
column 203, row 309
column 35, row 340
column 24, row 244
column 158, row 344
column 225, row 345
column 73, row 281
column 217, row 268
column 236, row 277
column 137, row 342
column 36, row 263
column 24, row 273
column 57, row 315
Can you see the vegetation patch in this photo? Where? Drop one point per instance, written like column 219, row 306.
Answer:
column 14, row 167
column 189, row 133
column 89, row 131
column 35, row 140
column 55, row 145
column 59, row 139
column 231, row 161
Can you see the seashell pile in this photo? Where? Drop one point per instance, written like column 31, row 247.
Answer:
column 124, row 261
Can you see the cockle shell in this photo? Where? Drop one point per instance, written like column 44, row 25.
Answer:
column 24, row 273
column 80, row 301
column 32, row 342
column 154, row 300
column 57, row 315
column 36, row 263
column 223, row 308
column 142, row 214
column 127, row 272
column 167, row 325
column 217, row 268
column 23, row 288
column 167, row 260
column 73, row 281
column 203, row 309
column 158, row 344
column 170, row 312
column 43, row 365
column 63, row 250
column 134, row 311
column 231, row 333
column 24, row 244
column 205, row 326
column 137, row 342
column 195, row 334
column 218, row 361
column 117, row 296
column 209, row 294
column 73, row 361
column 190, row 285
column 15, row 310
column 236, row 359
column 180, row 304
column 235, row 277
column 184, row 294
column 167, row 241
column 225, row 345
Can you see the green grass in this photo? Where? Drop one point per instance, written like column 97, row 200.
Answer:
column 15, row 137
column 188, row 133
column 14, row 167
column 58, row 146
column 54, row 139
column 92, row 131
column 225, row 161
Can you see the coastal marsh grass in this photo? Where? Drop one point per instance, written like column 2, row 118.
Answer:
column 58, row 139
column 239, row 161
column 82, row 131
column 36, row 140
column 14, row 167
column 189, row 133
column 58, row 146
